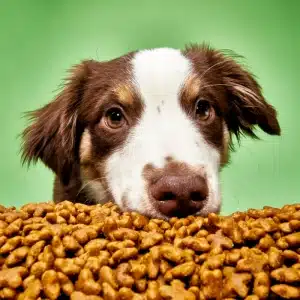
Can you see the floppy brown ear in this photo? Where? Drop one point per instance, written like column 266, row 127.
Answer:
column 54, row 134
column 247, row 105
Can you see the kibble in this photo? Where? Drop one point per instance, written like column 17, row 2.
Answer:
column 76, row 251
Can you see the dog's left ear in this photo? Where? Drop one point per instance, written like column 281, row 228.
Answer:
column 247, row 106
column 53, row 136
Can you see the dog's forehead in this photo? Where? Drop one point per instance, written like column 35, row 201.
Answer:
column 160, row 72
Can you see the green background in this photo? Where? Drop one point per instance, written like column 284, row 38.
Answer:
column 40, row 40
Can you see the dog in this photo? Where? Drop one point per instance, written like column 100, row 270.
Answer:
column 149, row 130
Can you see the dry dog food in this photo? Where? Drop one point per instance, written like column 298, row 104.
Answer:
column 78, row 252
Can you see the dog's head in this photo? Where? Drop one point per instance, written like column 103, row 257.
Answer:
column 150, row 129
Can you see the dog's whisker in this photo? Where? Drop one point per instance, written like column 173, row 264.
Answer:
column 225, row 60
column 239, row 88
column 84, row 185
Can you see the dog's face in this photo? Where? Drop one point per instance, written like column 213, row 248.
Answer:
column 151, row 129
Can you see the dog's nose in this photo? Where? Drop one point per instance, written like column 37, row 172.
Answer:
column 179, row 195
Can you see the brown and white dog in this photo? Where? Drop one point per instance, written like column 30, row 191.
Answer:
column 149, row 130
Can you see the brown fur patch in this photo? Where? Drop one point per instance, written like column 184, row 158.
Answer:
column 153, row 174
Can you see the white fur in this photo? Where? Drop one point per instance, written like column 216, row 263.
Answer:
column 159, row 75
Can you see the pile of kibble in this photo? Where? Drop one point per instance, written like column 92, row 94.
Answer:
column 75, row 251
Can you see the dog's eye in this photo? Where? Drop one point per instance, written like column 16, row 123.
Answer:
column 114, row 118
column 204, row 110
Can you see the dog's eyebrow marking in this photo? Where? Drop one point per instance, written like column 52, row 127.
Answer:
column 125, row 94
column 190, row 89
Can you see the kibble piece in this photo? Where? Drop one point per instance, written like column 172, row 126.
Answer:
column 124, row 254
column 153, row 268
column 8, row 293
column 87, row 284
column 34, row 252
column 11, row 244
column 253, row 260
column 17, row 256
column 152, row 292
column 125, row 294
column 137, row 270
column 94, row 247
column 66, row 266
column 232, row 257
column 107, row 275
column 70, row 243
column 12, row 278
column 215, row 261
column 66, row 284
column 13, row 228
column 266, row 242
column 108, row 292
column 293, row 239
column 171, row 253
column 38, row 269
column 32, row 291
column 236, row 284
column 164, row 267
column 291, row 255
column 261, row 285
column 286, row 275
column 58, row 247
column 212, row 281
column 50, row 284
column 150, row 240
column 118, row 245
column 93, row 264
column 176, row 291
column 123, row 277
column 286, row 291
column 183, row 270
column 124, row 234
column 219, row 242
column 275, row 257
column 141, row 285
column 197, row 244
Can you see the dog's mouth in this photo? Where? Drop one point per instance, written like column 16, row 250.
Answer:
column 170, row 208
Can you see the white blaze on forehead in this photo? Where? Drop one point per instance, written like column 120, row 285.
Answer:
column 163, row 130
column 160, row 71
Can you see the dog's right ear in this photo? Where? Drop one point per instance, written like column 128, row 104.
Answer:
column 53, row 136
